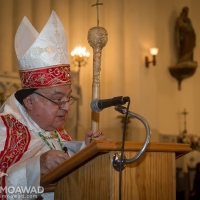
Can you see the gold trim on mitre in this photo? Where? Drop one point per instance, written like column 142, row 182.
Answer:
column 45, row 77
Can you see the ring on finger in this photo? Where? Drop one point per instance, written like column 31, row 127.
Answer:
column 100, row 133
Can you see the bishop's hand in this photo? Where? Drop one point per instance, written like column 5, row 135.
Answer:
column 51, row 159
column 90, row 136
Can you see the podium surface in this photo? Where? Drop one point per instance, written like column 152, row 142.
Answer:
column 89, row 174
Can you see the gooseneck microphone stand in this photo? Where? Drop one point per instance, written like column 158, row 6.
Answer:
column 119, row 161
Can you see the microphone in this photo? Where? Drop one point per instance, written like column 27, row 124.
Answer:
column 98, row 105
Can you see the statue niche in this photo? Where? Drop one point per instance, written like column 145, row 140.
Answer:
column 185, row 42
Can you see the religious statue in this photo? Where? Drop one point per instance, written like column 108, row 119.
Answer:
column 186, row 42
column 185, row 36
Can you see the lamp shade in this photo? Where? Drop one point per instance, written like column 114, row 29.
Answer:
column 154, row 51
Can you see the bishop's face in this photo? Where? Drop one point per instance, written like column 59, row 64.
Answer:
column 49, row 107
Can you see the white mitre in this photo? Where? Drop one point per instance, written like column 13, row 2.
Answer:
column 43, row 58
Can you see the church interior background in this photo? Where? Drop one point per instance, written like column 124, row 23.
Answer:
column 133, row 28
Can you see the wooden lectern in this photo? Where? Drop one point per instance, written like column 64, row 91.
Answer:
column 89, row 174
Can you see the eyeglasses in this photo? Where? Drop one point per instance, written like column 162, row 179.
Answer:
column 60, row 104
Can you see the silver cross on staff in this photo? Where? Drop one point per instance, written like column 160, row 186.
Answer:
column 97, row 4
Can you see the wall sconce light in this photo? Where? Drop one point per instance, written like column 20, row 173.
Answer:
column 154, row 52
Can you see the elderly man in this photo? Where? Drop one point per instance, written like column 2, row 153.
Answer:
column 31, row 120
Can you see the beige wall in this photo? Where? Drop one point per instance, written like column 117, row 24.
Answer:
column 133, row 27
